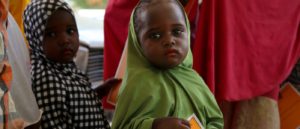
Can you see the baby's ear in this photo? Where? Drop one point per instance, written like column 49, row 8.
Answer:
column 184, row 2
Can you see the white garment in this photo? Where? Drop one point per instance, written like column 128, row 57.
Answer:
column 21, row 91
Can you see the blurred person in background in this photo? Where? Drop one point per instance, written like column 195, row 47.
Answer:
column 244, row 50
column 18, row 106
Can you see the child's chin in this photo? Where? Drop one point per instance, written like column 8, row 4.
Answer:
column 168, row 66
column 69, row 60
column 65, row 60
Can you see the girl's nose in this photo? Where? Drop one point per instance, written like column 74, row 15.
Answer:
column 65, row 39
column 169, row 41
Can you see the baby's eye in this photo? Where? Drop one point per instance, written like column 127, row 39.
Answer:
column 155, row 35
column 50, row 34
column 177, row 32
column 71, row 31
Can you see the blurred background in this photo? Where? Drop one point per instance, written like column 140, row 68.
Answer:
column 88, row 4
column 89, row 16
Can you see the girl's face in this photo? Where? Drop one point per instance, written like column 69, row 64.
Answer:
column 163, row 34
column 61, row 40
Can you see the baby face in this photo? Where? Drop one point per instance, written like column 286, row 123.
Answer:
column 61, row 40
column 163, row 35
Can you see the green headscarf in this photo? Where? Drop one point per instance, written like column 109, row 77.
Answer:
column 148, row 93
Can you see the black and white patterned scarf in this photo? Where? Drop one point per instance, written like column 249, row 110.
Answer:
column 294, row 77
column 62, row 91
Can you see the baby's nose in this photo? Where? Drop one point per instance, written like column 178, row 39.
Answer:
column 65, row 38
column 169, row 41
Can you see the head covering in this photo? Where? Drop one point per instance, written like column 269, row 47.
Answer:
column 116, row 20
column 61, row 90
column 137, row 60
column 35, row 20
column 148, row 92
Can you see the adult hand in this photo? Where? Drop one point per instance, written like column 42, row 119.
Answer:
column 105, row 87
column 170, row 123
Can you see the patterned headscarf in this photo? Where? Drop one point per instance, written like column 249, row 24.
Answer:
column 35, row 18
column 61, row 90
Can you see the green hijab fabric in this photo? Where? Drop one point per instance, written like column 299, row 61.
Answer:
column 148, row 93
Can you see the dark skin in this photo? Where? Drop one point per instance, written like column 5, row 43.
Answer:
column 61, row 39
column 163, row 37
column 61, row 42
column 164, row 41
column 170, row 123
column 104, row 88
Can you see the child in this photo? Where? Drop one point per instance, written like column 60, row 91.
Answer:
column 160, row 89
column 116, row 20
column 62, row 91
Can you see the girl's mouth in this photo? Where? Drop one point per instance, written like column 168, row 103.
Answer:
column 171, row 52
column 68, row 51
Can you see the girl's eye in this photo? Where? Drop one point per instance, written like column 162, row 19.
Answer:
column 177, row 32
column 50, row 34
column 155, row 36
column 71, row 31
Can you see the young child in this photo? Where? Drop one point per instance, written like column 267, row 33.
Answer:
column 160, row 89
column 62, row 91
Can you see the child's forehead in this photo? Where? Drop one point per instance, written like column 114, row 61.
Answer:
column 54, row 25
column 162, row 9
column 61, row 12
